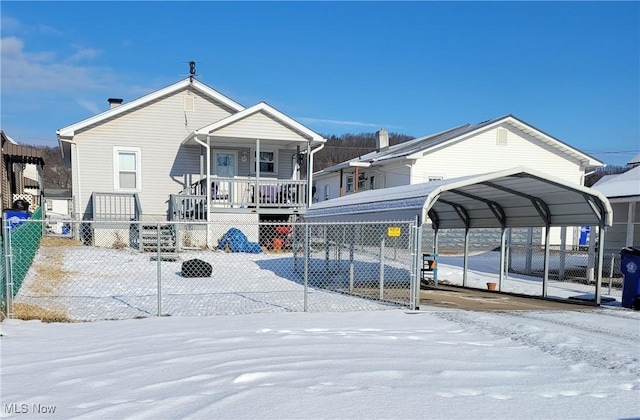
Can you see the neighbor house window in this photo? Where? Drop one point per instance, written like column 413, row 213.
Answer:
column 349, row 183
column 126, row 168
column 362, row 181
column 326, row 192
column 49, row 205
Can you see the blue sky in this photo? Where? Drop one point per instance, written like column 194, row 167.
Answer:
column 571, row 69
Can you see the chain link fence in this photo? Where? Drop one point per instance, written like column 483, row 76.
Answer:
column 82, row 270
column 572, row 272
column 115, row 270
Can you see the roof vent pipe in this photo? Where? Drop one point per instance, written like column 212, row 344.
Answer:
column 382, row 140
column 114, row 102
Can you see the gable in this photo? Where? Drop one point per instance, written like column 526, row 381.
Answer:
column 495, row 148
column 183, row 85
column 178, row 113
column 262, row 126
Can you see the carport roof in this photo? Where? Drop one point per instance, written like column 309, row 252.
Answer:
column 517, row 197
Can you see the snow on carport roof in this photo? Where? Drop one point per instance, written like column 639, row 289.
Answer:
column 517, row 197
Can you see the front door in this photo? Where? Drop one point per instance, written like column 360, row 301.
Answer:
column 225, row 164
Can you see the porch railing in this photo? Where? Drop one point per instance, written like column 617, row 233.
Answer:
column 116, row 206
column 228, row 193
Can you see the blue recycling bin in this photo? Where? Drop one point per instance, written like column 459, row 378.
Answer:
column 15, row 217
column 630, row 267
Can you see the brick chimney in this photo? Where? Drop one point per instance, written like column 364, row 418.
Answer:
column 382, row 140
column 114, row 102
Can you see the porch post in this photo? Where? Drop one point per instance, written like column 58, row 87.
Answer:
column 208, row 158
column 257, row 162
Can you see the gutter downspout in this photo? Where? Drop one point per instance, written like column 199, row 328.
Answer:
column 207, row 147
column 310, row 173
column 76, row 196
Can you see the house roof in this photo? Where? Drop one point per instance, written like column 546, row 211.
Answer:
column 57, row 193
column 69, row 131
column 517, row 197
column 260, row 108
column 415, row 148
column 16, row 153
column 626, row 184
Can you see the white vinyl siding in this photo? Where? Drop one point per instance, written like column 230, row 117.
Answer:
column 481, row 154
column 259, row 126
column 157, row 129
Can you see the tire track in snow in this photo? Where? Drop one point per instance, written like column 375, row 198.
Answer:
column 547, row 339
column 632, row 338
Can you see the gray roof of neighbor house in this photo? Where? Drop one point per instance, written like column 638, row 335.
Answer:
column 626, row 184
column 517, row 197
column 431, row 141
column 57, row 193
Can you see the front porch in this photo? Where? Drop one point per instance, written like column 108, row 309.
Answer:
column 238, row 195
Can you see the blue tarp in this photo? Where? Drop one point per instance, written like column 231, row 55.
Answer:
column 238, row 242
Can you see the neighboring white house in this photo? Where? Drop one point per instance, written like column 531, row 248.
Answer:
column 623, row 192
column 58, row 208
column 469, row 149
column 188, row 152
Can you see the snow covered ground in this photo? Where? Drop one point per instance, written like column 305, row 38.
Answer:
column 101, row 284
column 434, row 363
column 439, row 364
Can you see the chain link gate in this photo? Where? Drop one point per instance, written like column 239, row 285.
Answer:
column 123, row 270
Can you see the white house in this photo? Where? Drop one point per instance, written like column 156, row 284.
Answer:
column 188, row 152
column 468, row 149
column 623, row 192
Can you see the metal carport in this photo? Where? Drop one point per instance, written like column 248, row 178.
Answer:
column 513, row 198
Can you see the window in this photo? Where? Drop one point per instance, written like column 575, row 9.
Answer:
column 372, row 183
column 49, row 205
column 326, row 192
column 350, row 183
column 126, row 168
column 362, row 181
column 268, row 159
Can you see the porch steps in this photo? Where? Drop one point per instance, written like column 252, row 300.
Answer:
column 149, row 242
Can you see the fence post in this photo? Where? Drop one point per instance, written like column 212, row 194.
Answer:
column 382, row 268
column 351, row 249
column 307, row 252
column 159, row 269
column 613, row 260
column 8, row 286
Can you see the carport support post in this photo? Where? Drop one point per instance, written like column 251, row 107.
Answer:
column 415, row 278
column 503, row 247
column 600, row 259
column 465, row 258
column 435, row 251
column 545, row 274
